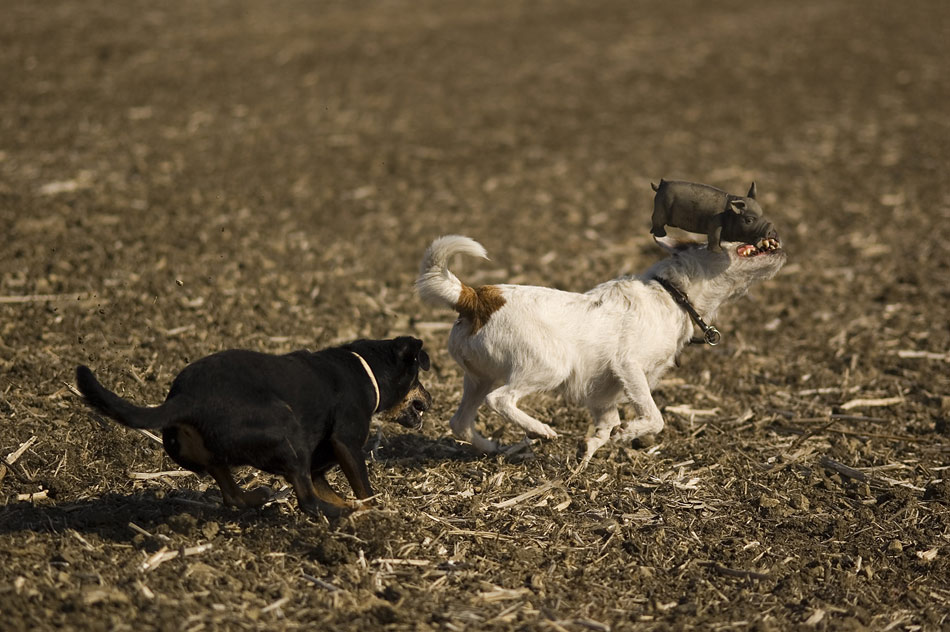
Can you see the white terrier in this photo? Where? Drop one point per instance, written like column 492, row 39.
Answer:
column 600, row 348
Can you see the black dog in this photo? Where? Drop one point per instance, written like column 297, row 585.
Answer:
column 295, row 415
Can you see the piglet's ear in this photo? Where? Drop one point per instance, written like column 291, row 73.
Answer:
column 737, row 206
column 423, row 360
column 751, row 191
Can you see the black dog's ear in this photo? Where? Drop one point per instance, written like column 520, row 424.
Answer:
column 410, row 349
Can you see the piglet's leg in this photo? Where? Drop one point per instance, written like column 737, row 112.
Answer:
column 715, row 235
column 660, row 217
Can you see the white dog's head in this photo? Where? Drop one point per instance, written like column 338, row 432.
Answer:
column 719, row 276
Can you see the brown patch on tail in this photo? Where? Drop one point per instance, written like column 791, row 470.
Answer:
column 478, row 305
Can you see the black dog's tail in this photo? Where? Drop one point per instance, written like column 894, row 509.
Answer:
column 111, row 405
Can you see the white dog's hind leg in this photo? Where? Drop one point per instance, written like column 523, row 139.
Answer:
column 605, row 420
column 504, row 401
column 649, row 419
column 463, row 421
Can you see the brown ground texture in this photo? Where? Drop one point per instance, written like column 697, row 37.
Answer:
column 180, row 178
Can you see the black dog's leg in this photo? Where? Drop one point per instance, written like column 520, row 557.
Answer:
column 353, row 465
column 307, row 498
column 327, row 493
column 322, row 460
column 233, row 495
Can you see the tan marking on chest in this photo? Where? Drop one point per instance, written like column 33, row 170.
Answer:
column 478, row 305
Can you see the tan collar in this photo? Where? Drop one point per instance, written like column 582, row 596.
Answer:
column 372, row 378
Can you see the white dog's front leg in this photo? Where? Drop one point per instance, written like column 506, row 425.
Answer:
column 463, row 421
column 605, row 420
column 649, row 420
column 504, row 401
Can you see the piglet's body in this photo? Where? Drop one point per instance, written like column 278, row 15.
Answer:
column 700, row 208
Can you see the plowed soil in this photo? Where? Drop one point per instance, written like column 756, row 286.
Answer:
column 180, row 178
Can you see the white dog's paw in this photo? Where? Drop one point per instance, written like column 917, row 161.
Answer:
column 591, row 445
column 476, row 440
column 541, row 431
column 642, row 429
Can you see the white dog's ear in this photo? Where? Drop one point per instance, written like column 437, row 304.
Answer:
column 673, row 245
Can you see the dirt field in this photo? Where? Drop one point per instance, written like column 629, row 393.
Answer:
column 180, row 178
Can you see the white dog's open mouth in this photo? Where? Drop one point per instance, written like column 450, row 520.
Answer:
column 763, row 247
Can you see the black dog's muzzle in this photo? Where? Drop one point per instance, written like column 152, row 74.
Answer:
column 418, row 402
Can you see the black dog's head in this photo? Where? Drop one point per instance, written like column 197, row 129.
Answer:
column 402, row 397
column 410, row 358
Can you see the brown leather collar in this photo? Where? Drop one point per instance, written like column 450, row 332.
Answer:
column 711, row 335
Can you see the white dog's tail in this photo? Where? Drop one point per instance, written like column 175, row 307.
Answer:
column 436, row 284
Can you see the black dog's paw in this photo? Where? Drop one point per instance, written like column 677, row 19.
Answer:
column 325, row 512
